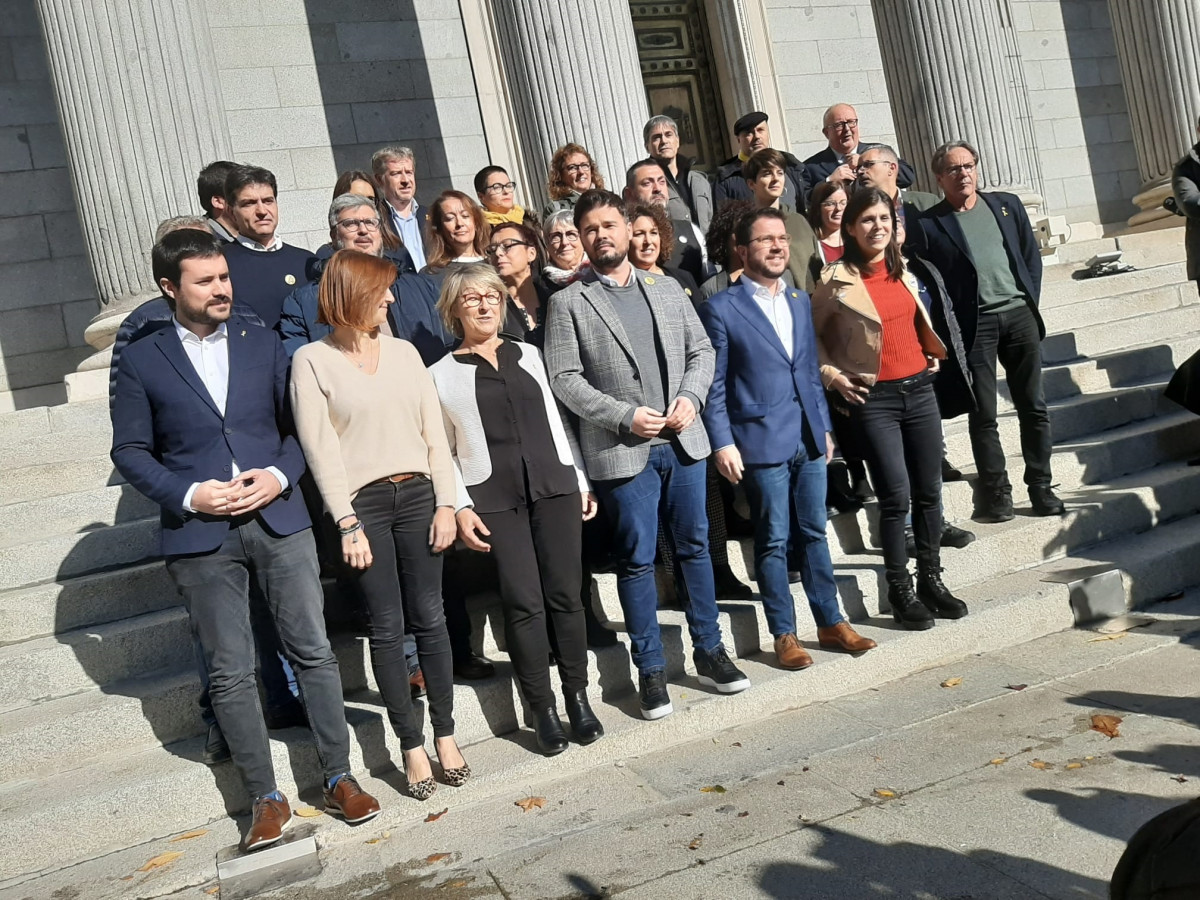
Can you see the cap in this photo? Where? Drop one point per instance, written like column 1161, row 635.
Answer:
column 749, row 122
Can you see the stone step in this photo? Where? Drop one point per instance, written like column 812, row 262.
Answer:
column 71, row 513
column 1145, row 249
column 1060, row 287
column 56, row 447
column 111, row 791
column 65, row 556
column 1096, row 340
column 1141, row 301
column 1155, row 361
column 40, row 481
column 21, row 425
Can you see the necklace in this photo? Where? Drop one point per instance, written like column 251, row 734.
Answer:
column 350, row 355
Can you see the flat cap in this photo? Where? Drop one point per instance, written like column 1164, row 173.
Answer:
column 749, row 122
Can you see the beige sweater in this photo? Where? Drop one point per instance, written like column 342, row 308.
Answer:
column 356, row 428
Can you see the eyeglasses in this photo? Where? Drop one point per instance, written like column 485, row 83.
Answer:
column 576, row 168
column 842, row 124
column 834, row 204
column 499, row 188
column 355, row 224
column 563, row 237
column 504, row 247
column 470, row 301
column 968, row 168
column 867, row 164
column 771, row 240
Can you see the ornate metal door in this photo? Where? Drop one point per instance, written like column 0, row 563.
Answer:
column 680, row 80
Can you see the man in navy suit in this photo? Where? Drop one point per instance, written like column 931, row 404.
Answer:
column 201, row 426
column 768, row 424
column 984, row 246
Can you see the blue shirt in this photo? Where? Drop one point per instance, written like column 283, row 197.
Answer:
column 409, row 230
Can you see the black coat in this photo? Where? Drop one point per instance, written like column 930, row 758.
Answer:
column 955, row 394
column 936, row 236
column 687, row 253
column 1185, row 185
column 821, row 165
column 730, row 185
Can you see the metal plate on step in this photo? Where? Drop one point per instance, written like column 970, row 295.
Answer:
column 293, row 859
column 1097, row 592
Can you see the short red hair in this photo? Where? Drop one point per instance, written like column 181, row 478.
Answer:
column 350, row 289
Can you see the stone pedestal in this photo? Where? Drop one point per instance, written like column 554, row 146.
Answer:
column 141, row 115
column 953, row 72
column 1158, row 44
column 572, row 74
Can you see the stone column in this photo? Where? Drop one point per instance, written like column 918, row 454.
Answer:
column 953, row 72
column 1158, row 44
column 573, row 74
column 139, row 95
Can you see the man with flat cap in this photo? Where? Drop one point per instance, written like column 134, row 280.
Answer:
column 753, row 135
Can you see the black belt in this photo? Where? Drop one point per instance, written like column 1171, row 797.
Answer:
column 904, row 385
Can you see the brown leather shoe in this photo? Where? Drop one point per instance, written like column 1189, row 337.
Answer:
column 270, row 818
column 844, row 638
column 790, row 654
column 351, row 801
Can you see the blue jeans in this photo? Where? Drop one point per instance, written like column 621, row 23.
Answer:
column 775, row 493
column 672, row 486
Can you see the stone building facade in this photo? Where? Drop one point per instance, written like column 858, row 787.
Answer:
column 109, row 107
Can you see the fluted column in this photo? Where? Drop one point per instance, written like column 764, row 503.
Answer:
column 953, row 72
column 1158, row 44
column 572, row 73
column 139, row 95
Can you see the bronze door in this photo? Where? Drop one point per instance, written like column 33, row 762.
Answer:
column 677, row 70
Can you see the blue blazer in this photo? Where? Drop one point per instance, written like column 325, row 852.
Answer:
column 168, row 433
column 766, row 404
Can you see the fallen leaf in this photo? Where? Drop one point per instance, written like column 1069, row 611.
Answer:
column 1038, row 764
column 1016, row 687
column 804, row 769
column 308, row 812
column 188, row 835
column 1108, row 637
column 531, row 803
column 712, row 789
column 780, row 783
column 127, row 878
column 163, row 859
column 1179, row 778
column 457, row 883
column 433, row 817
column 998, row 761
column 1109, row 726
column 952, row 682
column 1074, row 765
column 736, row 744
column 885, row 793
column 696, row 842
column 214, row 890
column 436, row 857
column 743, row 815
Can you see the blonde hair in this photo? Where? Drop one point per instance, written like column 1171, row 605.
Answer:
column 472, row 275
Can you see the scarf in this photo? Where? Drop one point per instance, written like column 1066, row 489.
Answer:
column 516, row 215
column 562, row 277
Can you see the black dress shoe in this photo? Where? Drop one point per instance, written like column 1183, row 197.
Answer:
column 993, row 505
column 290, row 716
column 937, row 597
column 1045, row 502
column 216, row 751
column 474, row 668
column 953, row 536
column 794, row 576
column 729, row 587
column 949, row 473
column 861, row 488
column 551, row 738
column 584, row 723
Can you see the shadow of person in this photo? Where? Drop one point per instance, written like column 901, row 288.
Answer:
column 1112, row 813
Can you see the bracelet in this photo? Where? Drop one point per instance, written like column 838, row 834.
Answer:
column 357, row 526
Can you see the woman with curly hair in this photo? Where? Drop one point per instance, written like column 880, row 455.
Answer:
column 572, row 171
column 650, row 247
column 458, row 234
column 719, row 242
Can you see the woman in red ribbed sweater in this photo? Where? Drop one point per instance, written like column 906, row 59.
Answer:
column 880, row 354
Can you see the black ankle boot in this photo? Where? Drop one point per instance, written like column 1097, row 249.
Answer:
column 936, row 596
column 583, row 721
column 907, row 610
column 551, row 738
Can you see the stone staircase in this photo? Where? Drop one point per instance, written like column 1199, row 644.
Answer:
column 99, row 732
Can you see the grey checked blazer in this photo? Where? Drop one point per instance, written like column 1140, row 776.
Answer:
column 594, row 373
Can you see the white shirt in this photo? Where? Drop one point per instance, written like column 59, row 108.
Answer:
column 612, row 282
column 275, row 244
column 773, row 301
column 210, row 358
column 219, row 230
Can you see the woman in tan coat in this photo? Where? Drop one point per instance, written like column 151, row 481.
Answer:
column 880, row 355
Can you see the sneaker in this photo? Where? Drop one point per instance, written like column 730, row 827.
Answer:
column 953, row 536
column 993, row 505
column 1045, row 502
column 716, row 670
column 653, row 696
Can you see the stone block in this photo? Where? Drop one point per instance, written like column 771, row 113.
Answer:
column 1101, row 100
column 31, row 330
column 796, row 58
column 1022, row 15
column 76, row 318
column 1068, row 133
column 459, row 117
column 35, row 191
column 340, row 119
column 314, row 167
column 304, row 85
column 293, row 859
column 815, row 23
column 23, row 239
column 29, row 61
column 34, row 369
column 395, row 122
column 224, row 14
column 47, row 147
column 27, row 102
column 464, row 157
column 333, row 12
column 252, row 88
column 1041, row 45
column 64, row 233
column 307, row 210
column 363, row 41
column 46, row 282
column 1096, row 130
column 266, row 45
column 452, row 77
column 277, row 129
column 1054, row 105
column 848, row 55
column 1046, row 17
column 14, row 149
column 8, row 70
column 20, row 20
column 278, row 162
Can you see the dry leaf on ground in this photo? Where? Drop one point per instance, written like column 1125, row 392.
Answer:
column 743, row 815
column 998, row 761
column 307, row 812
column 1181, row 779
column 1074, row 765
column 1016, row 687
column 953, row 682
column 1039, row 764
column 736, row 744
column 214, row 890
column 1109, row 726
column 433, row 817
column 436, row 857
column 188, row 835
column 531, row 803
column 712, row 789
column 163, row 859
column 1108, row 637
column 885, row 793
column 696, row 842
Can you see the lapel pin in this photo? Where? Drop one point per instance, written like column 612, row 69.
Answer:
column 1004, row 210
column 649, row 280
column 289, row 278
column 243, row 334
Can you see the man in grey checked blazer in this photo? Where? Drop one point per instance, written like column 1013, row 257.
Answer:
column 627, row 354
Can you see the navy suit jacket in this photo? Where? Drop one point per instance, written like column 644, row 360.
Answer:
column 168, row 434
column 939, row 238
column 824, row 163
column 766, row 404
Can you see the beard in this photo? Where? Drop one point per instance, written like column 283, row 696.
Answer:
column 608, row 257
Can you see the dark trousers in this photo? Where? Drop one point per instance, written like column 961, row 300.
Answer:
column 901, row 434
column 405, row 579
column 216, row 591
column 537, row 551
column 718, row 534
column 1012, row 339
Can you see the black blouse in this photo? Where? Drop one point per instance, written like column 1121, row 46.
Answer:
column 525, row 463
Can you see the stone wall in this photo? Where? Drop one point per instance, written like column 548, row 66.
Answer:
column 313, row 87
column 47, row 295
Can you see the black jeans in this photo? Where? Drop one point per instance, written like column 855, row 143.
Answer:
column 1012, row 338
column 901, row 433
column 406, row 578
column 537, row 550
column 216, row 591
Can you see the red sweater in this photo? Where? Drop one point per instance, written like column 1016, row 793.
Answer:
column 901, row 355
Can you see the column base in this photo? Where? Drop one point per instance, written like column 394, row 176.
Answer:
column 89, row 381
column 1150, row 201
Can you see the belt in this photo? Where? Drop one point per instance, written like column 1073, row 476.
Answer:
column 903, row 385
column 395, row 479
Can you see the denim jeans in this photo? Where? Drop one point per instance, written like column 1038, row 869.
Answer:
column 776, row 493
column 672, row 486
column 216, row 591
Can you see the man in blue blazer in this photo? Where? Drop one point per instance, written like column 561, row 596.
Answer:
column 201, row 426
column 768, row 423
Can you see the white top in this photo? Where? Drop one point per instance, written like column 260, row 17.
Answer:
column 774, row 305
column 210, row 358
column 276, row 243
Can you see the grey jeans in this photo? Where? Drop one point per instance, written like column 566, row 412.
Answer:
column 216, row 590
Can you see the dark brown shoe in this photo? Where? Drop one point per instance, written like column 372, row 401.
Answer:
column 270, row 818
column 350, row 801
column 790, row 653
column 844, row 638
